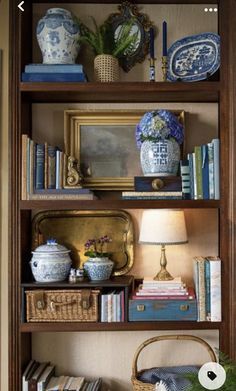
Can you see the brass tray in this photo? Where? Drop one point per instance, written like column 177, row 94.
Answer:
column 73, row 228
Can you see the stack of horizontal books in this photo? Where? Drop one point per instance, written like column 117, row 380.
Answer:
column 163, row 290
column 41, row 377
column 207, row 277
column 155, row 188
column 53, row 73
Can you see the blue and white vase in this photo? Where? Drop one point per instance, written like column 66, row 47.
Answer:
column 98, row 269
column 57, row 34
column 160, row 157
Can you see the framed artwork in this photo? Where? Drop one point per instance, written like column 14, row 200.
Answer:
column 103, row 142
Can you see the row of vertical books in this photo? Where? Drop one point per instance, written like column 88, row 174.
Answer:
column 207, row 278
column 53, row 73
column 200, row 172
column 41, row 377
column 113, row 306
column 44, row 168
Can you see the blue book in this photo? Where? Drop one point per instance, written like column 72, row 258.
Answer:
column 216, row 165
column 54, row 68
column 191, row 175
column 52, row 167
column 39, row 164
column 208, row 289
column 205, row 172
column 53, row 77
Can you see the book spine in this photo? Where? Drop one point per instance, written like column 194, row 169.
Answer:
column 54, row 68
column 191, row 175
column 28, row 167
column 208, row 290
column 196, row 283
column 202, row 290
column 205, row 172
column 104, row 308
column 45, row 165
column 58, row 169
column 152, row 198
column 32, row 166
column 61, row 196
column 185, row 176
column 51, row 167
column 109, row 307
column 215, row 287
column 24, row 141
column 39, row 180
column 53, row 77
column 122, row 303
column 61, row 170
column 194, row 176
column 216, row 159
column 198, row 163
column 211, row 171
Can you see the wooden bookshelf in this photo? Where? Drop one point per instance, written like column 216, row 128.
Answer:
column 23, row 95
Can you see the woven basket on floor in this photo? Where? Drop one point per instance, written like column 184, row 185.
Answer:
column 106, row 68
column 139, row 385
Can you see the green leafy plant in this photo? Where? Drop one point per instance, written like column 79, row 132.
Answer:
column 230, row 369
column 104, row 41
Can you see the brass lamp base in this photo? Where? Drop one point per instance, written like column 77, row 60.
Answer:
column 163, row 274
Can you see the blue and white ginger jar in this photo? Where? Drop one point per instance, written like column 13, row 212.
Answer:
column 50, row 262
column 57, row 34
column 160, row 157
column 99, row 268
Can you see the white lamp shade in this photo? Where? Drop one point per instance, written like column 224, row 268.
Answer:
column 163, row 226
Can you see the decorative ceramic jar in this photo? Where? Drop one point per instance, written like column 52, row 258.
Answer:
column 57, row 34
column 98, row 269
column 106, row 68
column 160, row 157
column 50, row 262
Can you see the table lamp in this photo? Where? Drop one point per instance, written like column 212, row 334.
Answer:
column 164, row 227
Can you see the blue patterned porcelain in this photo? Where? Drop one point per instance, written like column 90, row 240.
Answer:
column 57, row 35
column 98, row 269
column 160, row 157
column 194, row 58
column 50, row 262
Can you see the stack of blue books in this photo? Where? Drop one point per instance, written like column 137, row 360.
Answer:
column 53, row 73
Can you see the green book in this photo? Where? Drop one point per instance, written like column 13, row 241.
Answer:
column 198, row 162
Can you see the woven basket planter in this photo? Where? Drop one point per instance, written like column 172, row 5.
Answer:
column 138, row 385
column 106, row 68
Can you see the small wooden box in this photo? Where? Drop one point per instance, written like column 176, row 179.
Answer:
column 79, row 305
column 148, row 310
column 150, row 183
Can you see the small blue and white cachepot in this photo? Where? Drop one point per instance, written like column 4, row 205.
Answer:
column 98, row 269
column 50, row 262
column 57, row 34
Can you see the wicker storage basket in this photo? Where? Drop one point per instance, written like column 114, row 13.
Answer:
column 62, row 305
column 139, row 385
column 106, row 68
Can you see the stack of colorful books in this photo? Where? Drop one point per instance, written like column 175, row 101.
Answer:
column 207, row 277
column 200, row 172
column 163, row 290
column 53, row 73
column 112, row 306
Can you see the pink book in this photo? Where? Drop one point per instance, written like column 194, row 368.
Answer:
column 189, row 296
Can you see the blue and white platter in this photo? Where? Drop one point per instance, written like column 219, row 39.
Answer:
column 194, row 58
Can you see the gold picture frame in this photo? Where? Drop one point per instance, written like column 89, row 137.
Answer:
column 103, row 142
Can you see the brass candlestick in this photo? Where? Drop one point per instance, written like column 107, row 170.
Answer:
column 152, row 70
column 164, row 67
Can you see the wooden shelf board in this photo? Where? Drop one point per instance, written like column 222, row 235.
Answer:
column 207, row 91
column 118, row 204
column 120, row 281
column 121, row 326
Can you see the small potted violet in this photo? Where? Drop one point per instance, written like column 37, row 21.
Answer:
column 98, row 267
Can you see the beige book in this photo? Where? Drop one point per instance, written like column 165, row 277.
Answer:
column 32, row 167
column 202, row 288
column 76, row 384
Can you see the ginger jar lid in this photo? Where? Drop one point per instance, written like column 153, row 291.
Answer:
column 51, row 247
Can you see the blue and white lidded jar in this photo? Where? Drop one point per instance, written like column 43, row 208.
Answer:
column 57, row 34
column 50, row 262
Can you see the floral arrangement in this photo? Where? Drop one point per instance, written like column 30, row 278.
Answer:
column 96, row 247
column 159, row 125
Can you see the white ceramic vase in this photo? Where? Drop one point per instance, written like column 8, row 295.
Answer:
column 57, row 34
column 160, row 157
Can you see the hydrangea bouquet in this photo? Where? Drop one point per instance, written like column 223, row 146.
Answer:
column 95, row 248
column 159, row 125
